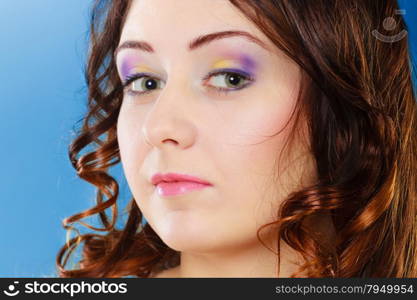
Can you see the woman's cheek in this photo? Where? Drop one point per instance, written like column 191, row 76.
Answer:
column 131, row 144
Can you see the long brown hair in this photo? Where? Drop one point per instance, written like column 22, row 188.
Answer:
column 360, row 106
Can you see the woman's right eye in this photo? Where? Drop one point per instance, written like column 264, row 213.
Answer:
column 140, row 84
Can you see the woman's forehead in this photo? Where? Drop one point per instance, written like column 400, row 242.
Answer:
column 175, row 21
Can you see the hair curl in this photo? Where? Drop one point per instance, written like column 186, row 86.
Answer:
column 361, row 113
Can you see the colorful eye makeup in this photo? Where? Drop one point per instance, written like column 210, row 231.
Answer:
column 130, row 66
column 232, row 69
column 242, row 60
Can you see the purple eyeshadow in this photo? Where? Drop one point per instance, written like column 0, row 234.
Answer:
column 247, row 63
column 125, row 68
column 128, row 64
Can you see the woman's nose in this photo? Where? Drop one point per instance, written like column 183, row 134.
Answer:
column 170, row 120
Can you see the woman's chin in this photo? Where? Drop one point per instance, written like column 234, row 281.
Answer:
column 184, row 242
column 183, row 236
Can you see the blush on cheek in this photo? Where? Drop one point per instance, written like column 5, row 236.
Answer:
column 265, row 121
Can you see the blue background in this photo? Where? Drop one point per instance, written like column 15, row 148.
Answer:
column 43, row 96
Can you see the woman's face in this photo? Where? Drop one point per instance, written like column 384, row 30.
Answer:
column 181, row 119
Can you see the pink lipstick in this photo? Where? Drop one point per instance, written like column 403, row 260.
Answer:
column 171, row 184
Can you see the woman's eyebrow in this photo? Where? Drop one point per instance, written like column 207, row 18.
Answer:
column 196, row 43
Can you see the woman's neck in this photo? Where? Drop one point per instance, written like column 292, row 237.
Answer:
column 256, row 261
column 245, row 261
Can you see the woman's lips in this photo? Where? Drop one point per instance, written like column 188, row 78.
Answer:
column 170, row 184
column 178, row 187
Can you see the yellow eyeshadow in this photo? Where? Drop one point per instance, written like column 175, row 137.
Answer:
column 224, row 63
column 140, row 69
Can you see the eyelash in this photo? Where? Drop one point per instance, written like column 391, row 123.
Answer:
column 245, row 76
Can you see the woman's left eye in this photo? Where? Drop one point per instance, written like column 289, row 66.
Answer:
column 228, row 81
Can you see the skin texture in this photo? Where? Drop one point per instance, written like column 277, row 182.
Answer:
column 187, row 127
